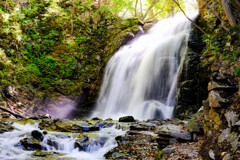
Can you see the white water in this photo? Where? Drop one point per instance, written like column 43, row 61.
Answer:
column 141, row 78
column 65, row 143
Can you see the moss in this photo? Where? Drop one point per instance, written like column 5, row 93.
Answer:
column 46, row 56
column 160, row 155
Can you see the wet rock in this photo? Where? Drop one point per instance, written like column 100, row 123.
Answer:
column 142, row 127
column 126, row 119
column 82, row 143
column 5, row 127
column 31, row 144
column 37, row 135
column 148, row 24
column 53, row 144
column 46, row 154
column 96, row 118
column 105, row 124
column 67, row 126
column 129, row 36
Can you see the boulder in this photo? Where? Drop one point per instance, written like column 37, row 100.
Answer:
column 215, row 100
column 82, row 143
column 231, row 118
column 126, row 119
column 171, row 130
column 31, row 144
column 37, row 135
column 5, row 127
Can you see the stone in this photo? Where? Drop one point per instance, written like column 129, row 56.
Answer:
column 82, row 143
column 211, row 154
column 47, row 154
column 126, row 119
column 96, row 118
column 215, row 100
column 37, row 135
column 232, row 118
column 31, row 144
column 53, row 144
column 227, row 157
column 171, row 130
column 213, row 85
column 224, row 135
column 164, row 152
column 4, row 127
column 215, row 117
column 142, row 127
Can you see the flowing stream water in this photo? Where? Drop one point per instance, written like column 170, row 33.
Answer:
column 141, row 78
column 60, row 144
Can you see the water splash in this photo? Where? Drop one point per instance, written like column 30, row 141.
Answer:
column 141, row 78
column 64, row 143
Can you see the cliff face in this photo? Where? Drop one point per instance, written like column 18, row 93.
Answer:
column 221, row 57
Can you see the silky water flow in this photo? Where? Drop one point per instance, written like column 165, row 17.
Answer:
column 141, row 78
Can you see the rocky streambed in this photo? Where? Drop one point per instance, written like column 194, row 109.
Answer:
column 126, row 138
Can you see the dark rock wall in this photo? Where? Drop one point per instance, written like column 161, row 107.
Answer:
column 193, row 79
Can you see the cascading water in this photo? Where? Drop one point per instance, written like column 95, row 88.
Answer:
column 141, row 78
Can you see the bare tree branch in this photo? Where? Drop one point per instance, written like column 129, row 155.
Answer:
column 152, row 5
column 189, row 18
column 15, row 114
column 136, row 8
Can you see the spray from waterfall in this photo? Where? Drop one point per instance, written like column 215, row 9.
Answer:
column 141, row 78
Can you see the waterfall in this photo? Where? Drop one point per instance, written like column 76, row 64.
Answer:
column 141, row 77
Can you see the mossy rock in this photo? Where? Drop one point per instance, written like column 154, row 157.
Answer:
column 4, row 127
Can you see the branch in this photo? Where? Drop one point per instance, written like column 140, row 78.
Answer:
column 15, row 114
column 152, row 5
column 156, row 14
column 213, row 11
column 6, row 110
column 189, row 18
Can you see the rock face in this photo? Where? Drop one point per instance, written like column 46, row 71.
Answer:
column 221, row 107
column 193, row 78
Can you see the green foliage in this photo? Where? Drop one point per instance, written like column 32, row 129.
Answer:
column 56, row 46
column 224, row 44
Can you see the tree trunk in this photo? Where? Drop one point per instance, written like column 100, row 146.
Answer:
column 152, row 5
column 228, row 13
column 136, row 8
